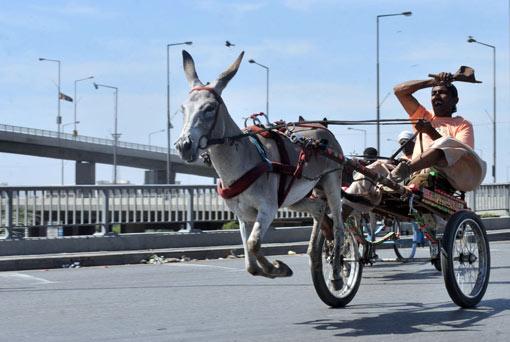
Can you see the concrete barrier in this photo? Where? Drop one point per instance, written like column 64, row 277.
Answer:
column 27, row 254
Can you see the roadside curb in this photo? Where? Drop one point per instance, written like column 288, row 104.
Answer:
column 104, row 258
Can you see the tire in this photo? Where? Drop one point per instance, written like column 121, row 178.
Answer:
column 404, row 249
column 352, row 270
column 465, row 259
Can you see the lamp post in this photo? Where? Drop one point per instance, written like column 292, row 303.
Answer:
column 152, row 133
column 267, row 84
column 59, row 117
column 75, row 131
column 115, row 134
column 63, row 131
column 364, row 135
column 378, row 105
column 168, row 120
column 473, row 40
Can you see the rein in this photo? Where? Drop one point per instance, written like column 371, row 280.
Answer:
column 266, row 165
column 289, row 125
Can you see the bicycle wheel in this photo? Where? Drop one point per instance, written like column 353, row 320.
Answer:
column 351, row 271
column 465, row 259
column 405, row 248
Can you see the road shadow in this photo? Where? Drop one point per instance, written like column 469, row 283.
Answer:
column 411, row 318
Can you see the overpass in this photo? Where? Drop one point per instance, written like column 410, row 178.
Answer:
column 87, row 151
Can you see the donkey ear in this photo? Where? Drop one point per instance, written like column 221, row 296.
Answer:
column 189, row 70
column 227, row 75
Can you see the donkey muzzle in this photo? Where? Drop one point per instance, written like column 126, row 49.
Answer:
column 185, row 147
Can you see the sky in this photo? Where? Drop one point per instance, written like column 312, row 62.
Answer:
column 321, row 55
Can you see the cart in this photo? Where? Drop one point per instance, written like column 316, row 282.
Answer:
column 459, row 247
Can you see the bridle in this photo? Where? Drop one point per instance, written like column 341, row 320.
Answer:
column 207, row 137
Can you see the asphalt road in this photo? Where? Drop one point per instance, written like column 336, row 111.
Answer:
column 216, row 300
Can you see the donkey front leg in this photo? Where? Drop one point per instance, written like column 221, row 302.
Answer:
column 270, row 270
column 250, row 260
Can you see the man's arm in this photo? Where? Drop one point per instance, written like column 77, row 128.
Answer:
column 404, row 93
column 426, row 127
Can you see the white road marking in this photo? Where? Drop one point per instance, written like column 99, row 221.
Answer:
column 26, row 277
column 202, row 265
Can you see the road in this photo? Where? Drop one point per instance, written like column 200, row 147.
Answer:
column 216, row 300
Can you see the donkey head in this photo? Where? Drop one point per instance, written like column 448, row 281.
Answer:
column 202, row 109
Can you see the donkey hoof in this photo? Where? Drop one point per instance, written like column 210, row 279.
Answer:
column 281, row 269
column 337, row 284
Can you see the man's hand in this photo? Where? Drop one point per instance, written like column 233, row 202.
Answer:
column 444, row 78
column 424, row 126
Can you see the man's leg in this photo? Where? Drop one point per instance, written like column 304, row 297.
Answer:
column 429, row 158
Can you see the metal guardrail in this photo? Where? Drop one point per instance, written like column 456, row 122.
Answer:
column 490, row 197
column 83, row 138
column 55, row 207
column 23, row 208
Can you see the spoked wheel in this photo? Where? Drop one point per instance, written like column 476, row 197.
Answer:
column 465, row 259
column 404, row 248
column 351, row 271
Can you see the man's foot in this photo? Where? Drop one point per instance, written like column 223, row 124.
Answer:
column 401, row 172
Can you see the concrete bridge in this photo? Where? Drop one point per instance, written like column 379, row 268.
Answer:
column 87, row 151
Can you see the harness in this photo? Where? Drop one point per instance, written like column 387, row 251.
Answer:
column 279, row 132
column 283, row 167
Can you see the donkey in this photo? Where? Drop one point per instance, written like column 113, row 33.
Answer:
column 208, row 127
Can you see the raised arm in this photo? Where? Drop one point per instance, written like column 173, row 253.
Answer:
column 404, row 93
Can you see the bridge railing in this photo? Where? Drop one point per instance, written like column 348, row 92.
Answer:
column 83, row 138
column 56, row 207
column 490, row 197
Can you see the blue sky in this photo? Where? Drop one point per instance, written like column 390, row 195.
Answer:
column 321, row 54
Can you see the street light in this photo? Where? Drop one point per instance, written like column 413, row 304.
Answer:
column 168, row 120
column 473, row 40
column 407, row 14
column 59, row 117
column 152, row 133
column 115, row 134
column 252, row 61
column 75, row 131
column 69, row 123
column 364, row 135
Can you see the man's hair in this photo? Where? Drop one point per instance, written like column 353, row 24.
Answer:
column 453, row 91
column 370, row 153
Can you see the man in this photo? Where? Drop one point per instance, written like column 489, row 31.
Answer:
column 406, row 139
column 445, row 142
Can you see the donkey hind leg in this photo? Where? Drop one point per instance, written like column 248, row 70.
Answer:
column 317, row 208
column 271, row 270
column 331, row 184
column 250, row 260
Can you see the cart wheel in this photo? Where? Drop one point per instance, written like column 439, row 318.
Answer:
column 465, row 258
column 352, row 269
column 404, row 248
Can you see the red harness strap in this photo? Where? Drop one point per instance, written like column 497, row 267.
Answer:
column 244, row 182
column 283, row 168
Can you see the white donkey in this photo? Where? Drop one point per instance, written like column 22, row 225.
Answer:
column 209, row 127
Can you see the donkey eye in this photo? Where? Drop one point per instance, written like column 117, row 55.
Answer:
column 209, row 108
